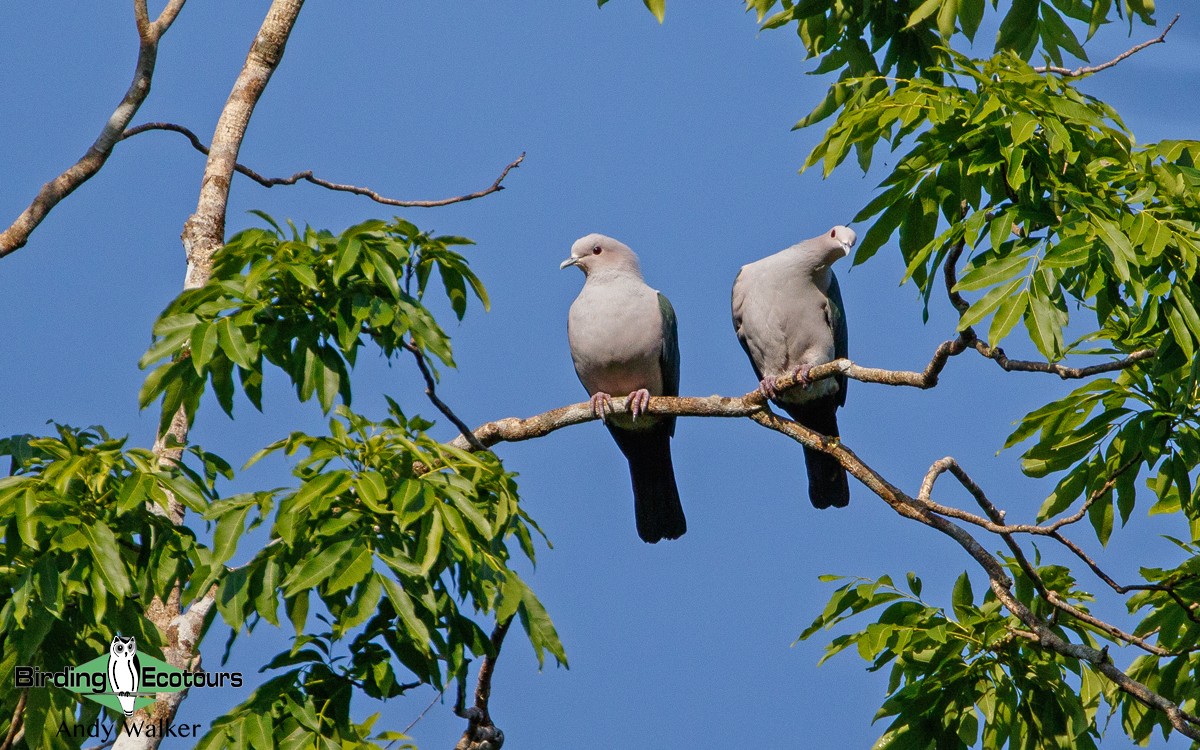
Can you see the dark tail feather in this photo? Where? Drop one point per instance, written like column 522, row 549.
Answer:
column 827, row 483
column 656, row 504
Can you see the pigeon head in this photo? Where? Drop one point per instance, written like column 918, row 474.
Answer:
column 842, row 238
column 596, row 253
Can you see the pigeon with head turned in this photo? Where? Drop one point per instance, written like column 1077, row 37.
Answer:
column 624, row 340
column 788, row 314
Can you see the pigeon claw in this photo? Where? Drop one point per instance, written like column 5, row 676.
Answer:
column 638, row 401
column 767, row 386
column 802, row 376
column 601, row 402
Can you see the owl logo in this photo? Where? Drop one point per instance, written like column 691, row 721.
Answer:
column 124, row 671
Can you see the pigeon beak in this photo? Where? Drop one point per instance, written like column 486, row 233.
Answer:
column 572, row 261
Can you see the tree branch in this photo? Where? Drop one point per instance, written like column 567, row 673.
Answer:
column 1089, row 69
column 967, row 338
column 481, row 732
column 149, row 33
column 17, row 724
column 203, row 234
column 513, row 429
column 921, row 509
column 431, row 392
column 308, row 175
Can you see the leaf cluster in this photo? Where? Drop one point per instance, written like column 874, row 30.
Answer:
column 908, row 38
column 305, row 302
column 87, row 544
column 403, row 543
column 967, row 675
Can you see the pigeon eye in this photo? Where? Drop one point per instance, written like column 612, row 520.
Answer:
column 832, row 232
column 596, row 250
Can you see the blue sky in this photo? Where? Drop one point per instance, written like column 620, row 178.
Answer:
column 675, row 139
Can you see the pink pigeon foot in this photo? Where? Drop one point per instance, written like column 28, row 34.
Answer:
column 767, row 386
column 802, row 376
column 638, row 401
column 600, row 402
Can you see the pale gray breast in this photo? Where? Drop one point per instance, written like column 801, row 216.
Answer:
column 615, row 331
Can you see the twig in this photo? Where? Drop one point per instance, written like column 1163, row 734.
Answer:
column 1189, row 608
column 17, row 723
column 149, row 33
column 421, row 715
column 1088, row 69
column 308, row 176
column 431, row 392
column 996, row 523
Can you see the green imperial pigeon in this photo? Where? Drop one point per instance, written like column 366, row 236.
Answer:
column 787, row 311
column 624, row 341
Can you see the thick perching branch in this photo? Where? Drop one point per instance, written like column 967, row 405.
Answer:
column 514, row 429
column 149, row 33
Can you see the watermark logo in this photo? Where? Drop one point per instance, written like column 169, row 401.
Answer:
column 125, row 681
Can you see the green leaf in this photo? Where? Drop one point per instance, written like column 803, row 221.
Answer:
column 1044, row 325
column 991, row 272
column 233, row 342
column 963, row 598
column 970, row 15
column 316, row 568
column 106, row 558
column 133, row 491
column 418, row 634
column 229, row 529
column 204, row 344
column 990, row 301
column 923, row 11
column 354, row 569
column 539, row 628
column 1067, row 491
column 657, row 7
column 1007, row 314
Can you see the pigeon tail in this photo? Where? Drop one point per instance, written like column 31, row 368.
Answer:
column 656, row 504
column 828, row 486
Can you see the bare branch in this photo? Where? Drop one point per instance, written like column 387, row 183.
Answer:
column 1064, row 372
column 167, row 16
column 1089, row 69
column 17, row 724
column 431, row 392
column 16, row 235
column 308, row 175
column 421, row 715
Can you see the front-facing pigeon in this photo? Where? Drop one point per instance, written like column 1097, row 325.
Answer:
column 624, row 341
column 788, row 314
